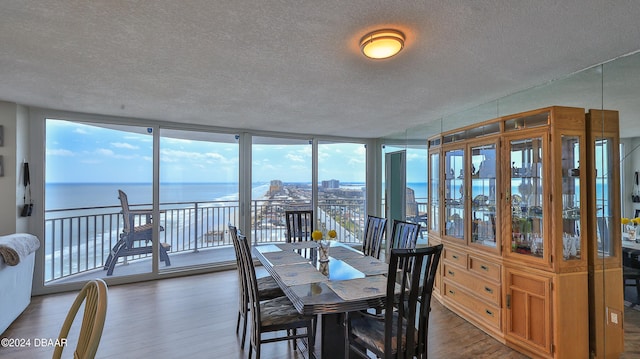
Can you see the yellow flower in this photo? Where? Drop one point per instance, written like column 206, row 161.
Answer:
column 636, row 221
column 332, row 233
column 316, row 235
column 625, row 220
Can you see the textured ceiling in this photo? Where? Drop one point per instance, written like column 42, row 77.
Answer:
column 295, row 66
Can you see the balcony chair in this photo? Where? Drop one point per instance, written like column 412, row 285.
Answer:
column 272, row 315
column 132, row 236
column 373, row 235
column 94, row 297
column 404, row 235
column 394, row 333
column 299, row 225
column 267, row 287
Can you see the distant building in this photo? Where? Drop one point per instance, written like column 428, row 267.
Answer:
column 275, row 187
column 331, row 184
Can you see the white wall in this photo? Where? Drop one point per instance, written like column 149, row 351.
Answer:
column 14, row 119
column 630, row 164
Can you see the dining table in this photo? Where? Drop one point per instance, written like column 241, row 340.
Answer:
column 348, row 281
column 630, row 251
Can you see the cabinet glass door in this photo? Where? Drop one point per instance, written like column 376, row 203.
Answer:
column 604, row 147
column 526, row 196
column 483, row 195
column 454, row 192
column 571, row 238
column 434, row 193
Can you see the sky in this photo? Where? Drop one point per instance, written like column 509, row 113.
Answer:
column 85, row 153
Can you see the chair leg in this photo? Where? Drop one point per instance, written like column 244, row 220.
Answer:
column 311, row 338
column 164, row 257
column 244, row 330
column 346, row 335
column 238, row 323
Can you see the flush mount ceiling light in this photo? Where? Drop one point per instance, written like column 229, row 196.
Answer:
column 382, row 44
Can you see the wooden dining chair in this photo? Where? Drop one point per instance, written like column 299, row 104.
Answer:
column 274, row 315
column 402, row 330
column 267, row 287
column 94, row 297
column 299, row 225
column 373, row 236
column 404, row 234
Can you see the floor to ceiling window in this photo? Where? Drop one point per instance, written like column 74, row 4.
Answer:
column 86, row 164
column 198, row 195
column 416, row 182
column 281, row 180
column 342, row 189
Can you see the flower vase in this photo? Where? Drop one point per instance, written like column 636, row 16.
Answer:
column 631, row 232
column 323, row 250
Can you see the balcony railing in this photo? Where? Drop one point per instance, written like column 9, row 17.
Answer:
column 79, row 239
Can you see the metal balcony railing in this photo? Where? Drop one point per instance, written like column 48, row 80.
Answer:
column 80, row 239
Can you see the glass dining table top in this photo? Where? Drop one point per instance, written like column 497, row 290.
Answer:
column 348, row 281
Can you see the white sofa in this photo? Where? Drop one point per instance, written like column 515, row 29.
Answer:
column 15, row 283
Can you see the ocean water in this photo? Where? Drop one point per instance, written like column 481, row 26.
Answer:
column 87, row 195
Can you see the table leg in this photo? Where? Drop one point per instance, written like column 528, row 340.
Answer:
column 332, row 337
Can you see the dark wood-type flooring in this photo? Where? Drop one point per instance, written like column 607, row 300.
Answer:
column 195, row 317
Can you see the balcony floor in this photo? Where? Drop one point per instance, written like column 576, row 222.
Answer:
column 224, row 255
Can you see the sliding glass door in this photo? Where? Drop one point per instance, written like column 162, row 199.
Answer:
column 198, row 196
column 281, row 181
column 87, row 164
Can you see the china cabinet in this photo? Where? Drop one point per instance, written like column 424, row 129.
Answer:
column 509, row 200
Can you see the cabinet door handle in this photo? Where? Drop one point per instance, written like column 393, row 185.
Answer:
column 508, row 301
column 484, row 267
column 488, row 312
column 451, row 273
column 451, row 292
column 454, row 256
column 488, row 290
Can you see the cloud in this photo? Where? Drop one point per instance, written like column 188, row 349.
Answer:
column 60, row 152
column 81, row 131
column 104, row 152
column 295, row 158
column 124, row 145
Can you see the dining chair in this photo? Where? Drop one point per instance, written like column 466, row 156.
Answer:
column 273, row 315
column 267, row 287
column 394, row 333
column 404, row 234
column 373, row 235
column 94, row 297
column 299, row 225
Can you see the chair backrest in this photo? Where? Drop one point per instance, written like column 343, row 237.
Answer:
column 299, row 225
column 373, row 235
column 410, row 283
column 404, row 234
column 242, row 281
column 124, row 203
column 94, row 297
column 252, row 284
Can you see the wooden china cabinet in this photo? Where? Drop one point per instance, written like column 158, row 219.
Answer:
column 508, row 198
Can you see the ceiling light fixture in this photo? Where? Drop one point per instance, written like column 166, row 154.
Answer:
column 382, row 44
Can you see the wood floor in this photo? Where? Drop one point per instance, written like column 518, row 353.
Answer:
column 195, row 317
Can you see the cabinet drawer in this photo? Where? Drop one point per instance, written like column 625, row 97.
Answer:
column 482, row 288
column 485, row 312
column 456, row 257
column 484, row 268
